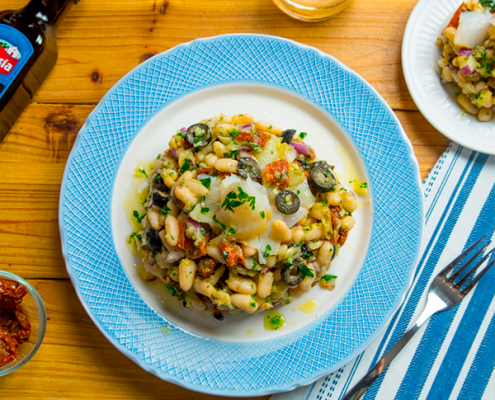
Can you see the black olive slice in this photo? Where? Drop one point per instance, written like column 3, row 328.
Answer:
column 287, row 202
column 219, row 316
column 154, row 241
column 199, row 135
column 306, row 253
column 158, row 198
column 287, row 273
column 248, row 166
column 158, row 183
column 321, row 177
column 287, row 135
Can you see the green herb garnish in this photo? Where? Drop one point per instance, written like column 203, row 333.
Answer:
column 185, row 167
column 306, row 271
column 206, row 182
column 138, row 217
column 326, row 278
column 234, row 200
column 267, row 251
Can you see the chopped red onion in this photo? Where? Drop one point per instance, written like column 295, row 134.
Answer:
column 464, row 52
column 466, row 70
column 183, row 130
column 173, row 153
column 194, row 223
column 151, row 262
column 300, row 148
column 246, row 128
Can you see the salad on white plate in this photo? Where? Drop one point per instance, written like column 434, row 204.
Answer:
column 468, row 57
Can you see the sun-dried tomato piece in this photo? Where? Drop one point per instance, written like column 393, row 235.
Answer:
column 206, row 267
column 232, row 253
column 261, row 138
column 14, row 325
column 342, row 237
column 183, row 242
column 244, row 137
column 278, row 173
column 454, row 22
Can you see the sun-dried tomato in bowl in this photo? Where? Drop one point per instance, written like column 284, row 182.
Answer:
column 14, row 325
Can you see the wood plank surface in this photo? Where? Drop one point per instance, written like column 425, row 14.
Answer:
column 99, row 42
column 76, row 361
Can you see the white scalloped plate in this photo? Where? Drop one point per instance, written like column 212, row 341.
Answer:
column 435, row 100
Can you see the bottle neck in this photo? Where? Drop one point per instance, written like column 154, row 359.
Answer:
column 48, row 12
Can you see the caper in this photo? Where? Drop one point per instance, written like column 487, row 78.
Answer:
column 248, row 166
column 199, row 135
column 321, row 177
column 287, row 202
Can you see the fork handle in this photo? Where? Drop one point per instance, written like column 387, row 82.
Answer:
column 433, row 305
column 366, row 381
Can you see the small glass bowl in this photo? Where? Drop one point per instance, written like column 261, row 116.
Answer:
column 33, row 307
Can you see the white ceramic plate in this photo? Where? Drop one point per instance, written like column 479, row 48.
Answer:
column 435, row 100
column 281, row 108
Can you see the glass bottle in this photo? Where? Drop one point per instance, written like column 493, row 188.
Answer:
column 28, row 52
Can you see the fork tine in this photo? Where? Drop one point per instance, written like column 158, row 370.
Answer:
column 456, row 274
column 474, row 268
column 478, row 277
column 459, row 258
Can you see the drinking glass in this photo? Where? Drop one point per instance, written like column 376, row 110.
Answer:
column 312, row 10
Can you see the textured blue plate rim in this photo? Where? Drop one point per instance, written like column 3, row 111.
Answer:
column 265, row 84
column 300, row 382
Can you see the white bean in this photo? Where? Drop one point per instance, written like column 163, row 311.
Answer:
column 172, row 230
column 325, row 254
column 305, row 285
column 317, row 231
column 187, row 273
column 241, row 285
column 203, row 287
column 466, row 104
column 297, row 235
column 196, row 187
column 248, row 251
column 271, row 261
column 245, row 302
column 347, row 223
column 282, row 251
column 154, row 219
column 280, row 231
column 186, row 196
column 485, row 114
column 210, row 159
column 349, row 202
column 226, row 165
column 265, row 284
column 174, row 210
column 215, row 277
column 219, row 149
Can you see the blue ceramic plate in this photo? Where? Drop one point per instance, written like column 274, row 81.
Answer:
column 286, row 81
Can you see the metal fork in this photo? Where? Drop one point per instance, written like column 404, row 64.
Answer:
column 444, row 293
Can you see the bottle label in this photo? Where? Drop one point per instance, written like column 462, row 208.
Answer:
column 15, row 51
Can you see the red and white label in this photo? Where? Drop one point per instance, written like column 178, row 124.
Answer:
column 7, row 62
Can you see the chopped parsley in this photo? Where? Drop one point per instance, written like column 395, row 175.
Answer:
column 186, row 166
column 324, row 204
column 253, row 304
column 364, row 185
column 135, row 235
column 276, row 320
column 204, row 210
column 223, row 226
column 232, row 231
column 326, row 278
column 165, row 210
column 488, row 3
column 234, row 200
column 234, row 132
column 138, row 217
column 306, row 271
column 158, row 156
column 233, row 154
column 262, row 213
column 143, row 172
column 302, row 135
column 206, row 182
column 174, row 291
column 267, row 251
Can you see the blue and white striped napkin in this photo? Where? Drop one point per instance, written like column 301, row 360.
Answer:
column 453, row 355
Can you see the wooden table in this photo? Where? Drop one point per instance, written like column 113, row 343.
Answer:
column 99, row 42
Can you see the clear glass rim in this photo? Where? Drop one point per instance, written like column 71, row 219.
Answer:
column 42, row 321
